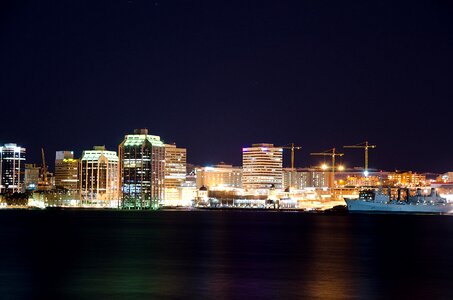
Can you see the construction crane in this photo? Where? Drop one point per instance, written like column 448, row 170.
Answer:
column 43, row 185
column 364, row 146
column 44, row 166
column 332, row 153
column 292, row 148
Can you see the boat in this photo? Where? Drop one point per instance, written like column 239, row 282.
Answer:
column 375, row 200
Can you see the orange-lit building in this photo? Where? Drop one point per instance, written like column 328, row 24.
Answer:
column 406, row 179
column 66, row 171
column 175, row 172
column 221, row 175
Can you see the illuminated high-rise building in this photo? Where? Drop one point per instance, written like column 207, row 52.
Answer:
column 218, row 176
column 175, row 172
column 99, row 177
column 142, row 170
column 12, row 168
column 66, row 171
column 262, row 166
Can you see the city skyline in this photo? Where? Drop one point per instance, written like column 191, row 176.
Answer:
column 259, row 149
column 220, row 77
column 149, row 174
column 322, row 163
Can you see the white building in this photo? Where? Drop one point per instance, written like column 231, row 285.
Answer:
column 99, row 177
column 262, row 166
column 307, row 177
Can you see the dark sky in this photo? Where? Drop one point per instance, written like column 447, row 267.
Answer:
column 214, row 76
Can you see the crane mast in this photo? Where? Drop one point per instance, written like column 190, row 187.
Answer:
column 43, row 185
column 365, row 145
column 332, row 153
column 292, row 148
column 44, row 166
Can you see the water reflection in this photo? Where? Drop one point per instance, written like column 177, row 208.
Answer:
column 223, row 255
column 331, row 255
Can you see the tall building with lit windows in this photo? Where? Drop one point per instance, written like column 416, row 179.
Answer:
column 175, row 173
column 99, row 177
column 12, row 168
column 142, row 170
column 66, row 171
column 262, row 166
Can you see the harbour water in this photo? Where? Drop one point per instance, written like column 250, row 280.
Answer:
column 107, row 254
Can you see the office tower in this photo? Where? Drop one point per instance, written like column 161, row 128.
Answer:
column 12, row 166
column 32, row 176
column 99, row 177
column 66, row 171
column 218, row 176
column 142, row 164
column 175, row 172
column 262, row 166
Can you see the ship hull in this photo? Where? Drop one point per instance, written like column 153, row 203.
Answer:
column 355, row 205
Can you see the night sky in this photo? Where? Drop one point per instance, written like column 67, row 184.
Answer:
column 214, row 76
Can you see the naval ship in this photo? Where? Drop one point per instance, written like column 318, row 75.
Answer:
column 375, row 200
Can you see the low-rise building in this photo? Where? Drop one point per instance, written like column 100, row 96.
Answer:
column 445, row 178
column 305, row 177
column 220, row 175
column 406, row 179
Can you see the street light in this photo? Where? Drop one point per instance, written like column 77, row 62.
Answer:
column 324, row 167
column 340, row 168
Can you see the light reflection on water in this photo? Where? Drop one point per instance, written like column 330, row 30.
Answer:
column 223, row 255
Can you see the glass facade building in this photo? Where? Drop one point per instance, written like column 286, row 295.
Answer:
column 12, row 168
column 142, row 170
